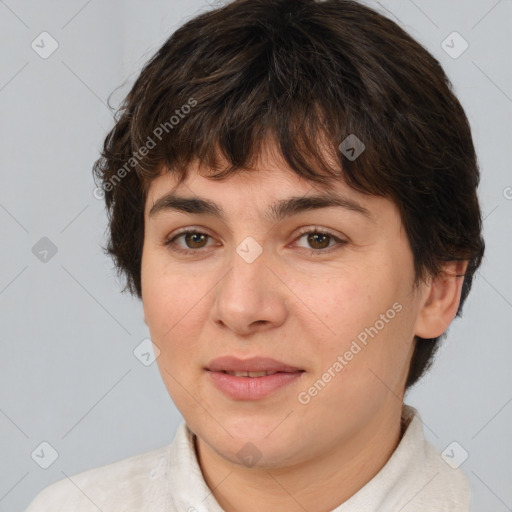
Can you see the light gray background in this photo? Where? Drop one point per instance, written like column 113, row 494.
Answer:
column 68, row 372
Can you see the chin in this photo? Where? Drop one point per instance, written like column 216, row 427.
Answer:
column 254, row 453
column 254, row 442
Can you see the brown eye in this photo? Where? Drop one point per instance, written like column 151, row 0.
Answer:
column 319, row 240
column 195, row 240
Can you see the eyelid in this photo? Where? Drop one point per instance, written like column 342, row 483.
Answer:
column 184, row 231
column 317, row 229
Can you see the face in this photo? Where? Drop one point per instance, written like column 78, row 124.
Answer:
column 317, row 300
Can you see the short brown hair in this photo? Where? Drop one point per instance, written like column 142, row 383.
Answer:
column 301, row 71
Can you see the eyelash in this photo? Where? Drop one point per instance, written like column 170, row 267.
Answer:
column 170, row 242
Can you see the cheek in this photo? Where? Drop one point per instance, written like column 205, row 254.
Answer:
column 342, row 306
column 366, row 331
column 170, row 296
column 176, row 309
column 377, row 358
column 173, row 316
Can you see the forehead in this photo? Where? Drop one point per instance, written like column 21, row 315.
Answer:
column 270, row 176
column 276, row 192
column 269, row 190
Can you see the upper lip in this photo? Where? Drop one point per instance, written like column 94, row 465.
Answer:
column 253, row 364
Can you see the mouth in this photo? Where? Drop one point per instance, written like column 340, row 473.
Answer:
column 248, row 367
column 251, row 379
column 251, row 374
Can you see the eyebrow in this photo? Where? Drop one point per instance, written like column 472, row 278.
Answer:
column 277, row 211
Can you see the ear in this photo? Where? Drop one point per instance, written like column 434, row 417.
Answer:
column 441, row 300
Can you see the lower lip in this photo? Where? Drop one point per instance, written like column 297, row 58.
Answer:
column 252, row 388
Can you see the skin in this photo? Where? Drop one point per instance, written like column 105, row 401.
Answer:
column 300, row 308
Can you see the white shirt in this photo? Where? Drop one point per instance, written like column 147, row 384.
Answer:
column 169, row 479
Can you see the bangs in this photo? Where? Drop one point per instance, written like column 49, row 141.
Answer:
column 222, row 102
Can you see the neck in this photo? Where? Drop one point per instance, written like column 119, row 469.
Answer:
column 319, row 484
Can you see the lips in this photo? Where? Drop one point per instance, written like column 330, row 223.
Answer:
column 230, row 364
column 250, row 379
column 250, row 374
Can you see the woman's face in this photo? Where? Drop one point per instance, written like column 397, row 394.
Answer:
column 273, row 280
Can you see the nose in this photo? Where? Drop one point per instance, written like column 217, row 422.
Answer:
column 250, row 297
